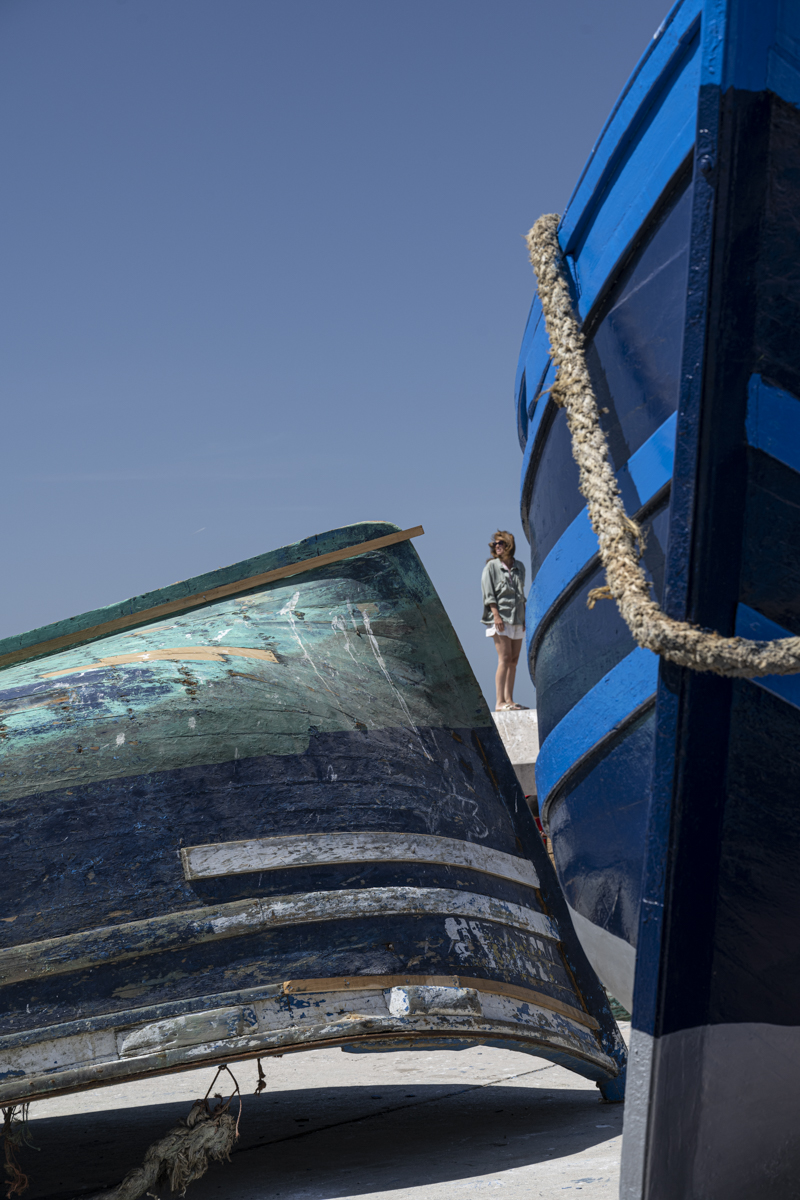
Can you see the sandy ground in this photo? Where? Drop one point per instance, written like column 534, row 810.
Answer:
column 335, row 1126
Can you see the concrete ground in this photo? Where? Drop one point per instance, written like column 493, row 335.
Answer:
column 335, row 1126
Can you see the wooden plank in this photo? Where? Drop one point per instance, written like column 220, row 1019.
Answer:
column 206, row 597
column 92, row 948
column 344, row 983
column 306, row 849
column 261, row 1022
column 176, row 654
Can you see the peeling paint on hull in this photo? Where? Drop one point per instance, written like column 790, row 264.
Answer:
column 192, row 846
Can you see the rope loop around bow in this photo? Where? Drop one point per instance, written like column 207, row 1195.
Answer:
column 619, row 538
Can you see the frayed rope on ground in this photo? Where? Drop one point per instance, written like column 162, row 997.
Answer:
column 619, row 537
column 183, row 1155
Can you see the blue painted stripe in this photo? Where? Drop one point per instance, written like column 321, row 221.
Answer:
column 571, row 552
column 715, row 15
column 749, row 35
column 532, row 449
column 773, row 422
column 663, row 142
column 536, row 359
column 596, row 714
column 650, row 467
column 537, row 411
column 634, row 98
column 546, row 383
column 751, row 624
column 763, row 47
column 783, row 74
column 648, row 470
column 531, row 326
column 783, row 59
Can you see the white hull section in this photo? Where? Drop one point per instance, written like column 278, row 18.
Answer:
column 613, row 959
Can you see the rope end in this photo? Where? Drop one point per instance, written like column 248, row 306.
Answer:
column 601, row 593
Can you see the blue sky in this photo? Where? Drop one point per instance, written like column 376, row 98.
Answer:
column 263, row 275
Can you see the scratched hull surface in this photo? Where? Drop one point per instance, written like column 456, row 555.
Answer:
column 671, row 796
column 276, row 818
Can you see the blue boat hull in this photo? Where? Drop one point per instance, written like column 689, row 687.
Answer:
column 671, row 795
column 267, row 810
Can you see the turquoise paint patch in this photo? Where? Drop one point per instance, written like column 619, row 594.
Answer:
column 751, row 624
column 623, row 689
column 313, row 547
column 340, row 656
column 773, row 423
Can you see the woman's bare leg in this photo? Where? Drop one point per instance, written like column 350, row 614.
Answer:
column 516, row 646
column 504, row 648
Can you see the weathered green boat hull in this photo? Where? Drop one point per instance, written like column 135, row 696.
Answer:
column 244, row 817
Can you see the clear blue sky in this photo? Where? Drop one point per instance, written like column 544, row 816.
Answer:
column 263, row 275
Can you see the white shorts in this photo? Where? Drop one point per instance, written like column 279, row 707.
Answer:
column 515, row 632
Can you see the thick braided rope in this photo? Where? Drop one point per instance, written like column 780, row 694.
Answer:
column 182, row 1155
column 619, row 538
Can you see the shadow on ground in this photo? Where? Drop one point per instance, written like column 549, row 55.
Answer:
column 333, row 1141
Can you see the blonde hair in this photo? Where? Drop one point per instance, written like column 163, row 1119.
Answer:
column 508, row 538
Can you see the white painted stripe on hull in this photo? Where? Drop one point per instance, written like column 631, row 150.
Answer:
column 612, row 957
column 135, row 939
column 270, row 1025
column 316, row 849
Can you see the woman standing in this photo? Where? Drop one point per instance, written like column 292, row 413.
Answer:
column 503, row 587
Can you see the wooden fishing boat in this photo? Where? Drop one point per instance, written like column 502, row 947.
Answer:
column 267, row 810
column 670, row 793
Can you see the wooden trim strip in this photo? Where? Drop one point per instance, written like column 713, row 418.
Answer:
column 106, row 944
column 169, row 654
column 352, row 983
column 313, row 849
column 227, row 589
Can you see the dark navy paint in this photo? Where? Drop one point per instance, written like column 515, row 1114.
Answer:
column 751, row 624
column 580, row 644
column 756, row 967
column 770, row 579
column 629, row 685
column 394, row 944
column 71, row 859
column 773, row 421
column 634, row 356
column 555, row 500
column 347, row 876
column 647, row 472
column 598, row 828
